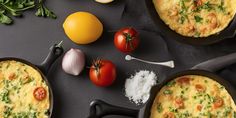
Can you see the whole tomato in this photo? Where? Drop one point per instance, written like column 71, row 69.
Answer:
column 102, row 73
column 126, row 39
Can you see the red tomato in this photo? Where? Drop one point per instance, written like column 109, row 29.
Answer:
column 40, row 93
column 126, row 39
column 102, row 73
column 199, row 107
column 200, row 88
column 179, row 102
column 219, row 102
column 168, row 115
column 184, row 80
column 197, row 3
column 12, row 76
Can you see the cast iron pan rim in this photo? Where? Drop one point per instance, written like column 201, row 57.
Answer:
column 155, row 89
column 43, row 76
column 228, row 32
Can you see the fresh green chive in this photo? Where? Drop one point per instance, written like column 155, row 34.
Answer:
column 167, row 92
column 198, row 19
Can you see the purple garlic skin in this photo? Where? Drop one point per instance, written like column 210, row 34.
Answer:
column 73, row 62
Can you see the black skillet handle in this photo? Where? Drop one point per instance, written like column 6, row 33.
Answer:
column 98, row 109
column 55, row 51
column 217, row 64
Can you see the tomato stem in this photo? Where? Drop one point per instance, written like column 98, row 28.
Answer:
column 128, row 38
column 97, row 64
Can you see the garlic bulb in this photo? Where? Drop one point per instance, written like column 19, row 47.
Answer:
column 73, row 61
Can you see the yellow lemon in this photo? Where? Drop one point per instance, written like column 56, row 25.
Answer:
column 83, row 27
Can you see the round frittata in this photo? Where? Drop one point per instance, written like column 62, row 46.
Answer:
column 196, row 18
column 193, row 96
column 23, row 92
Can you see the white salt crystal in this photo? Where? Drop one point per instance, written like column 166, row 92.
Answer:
column 138, row 86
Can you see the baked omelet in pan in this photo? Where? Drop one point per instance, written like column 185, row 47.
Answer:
column 23, row 92
column 193, row 96
column 196, row 18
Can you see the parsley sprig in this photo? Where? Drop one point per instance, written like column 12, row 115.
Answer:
column 17, row 7
column 43, row 11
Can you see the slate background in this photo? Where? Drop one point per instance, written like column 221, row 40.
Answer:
column 30, row 38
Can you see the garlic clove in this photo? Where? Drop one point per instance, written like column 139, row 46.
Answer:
column 73, row 62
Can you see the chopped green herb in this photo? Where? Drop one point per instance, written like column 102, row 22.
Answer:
column 29, row 114
column 5, row 96
column 183, row 12
column 201, row 101
column 159, row 107
column 185, row 114
column 7, row 111
column 182, row 4
column 47, row 112
column 222, row 87
column 199, row 95
column 182, row 19
column 171, row 109
column 198, row 19
column 7, row 65
column 211, row 99
column 171, row 83
column 208, row 106
column 30, row 107
column 207, row 6
column 209, row 115
column 197, row 34
column 26, row 80
column 6, row 83
column 227, row 111
column 221, row 6
column 25, row 70
column 167, row 92
column 186, row 88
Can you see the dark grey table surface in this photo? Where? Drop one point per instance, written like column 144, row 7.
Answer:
column 30, row 38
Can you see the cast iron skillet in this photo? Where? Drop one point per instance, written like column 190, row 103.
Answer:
column 98, row 108
column 55, row 52
column 228, row 32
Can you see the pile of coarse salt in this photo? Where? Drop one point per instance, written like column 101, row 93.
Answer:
column 138, row 86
